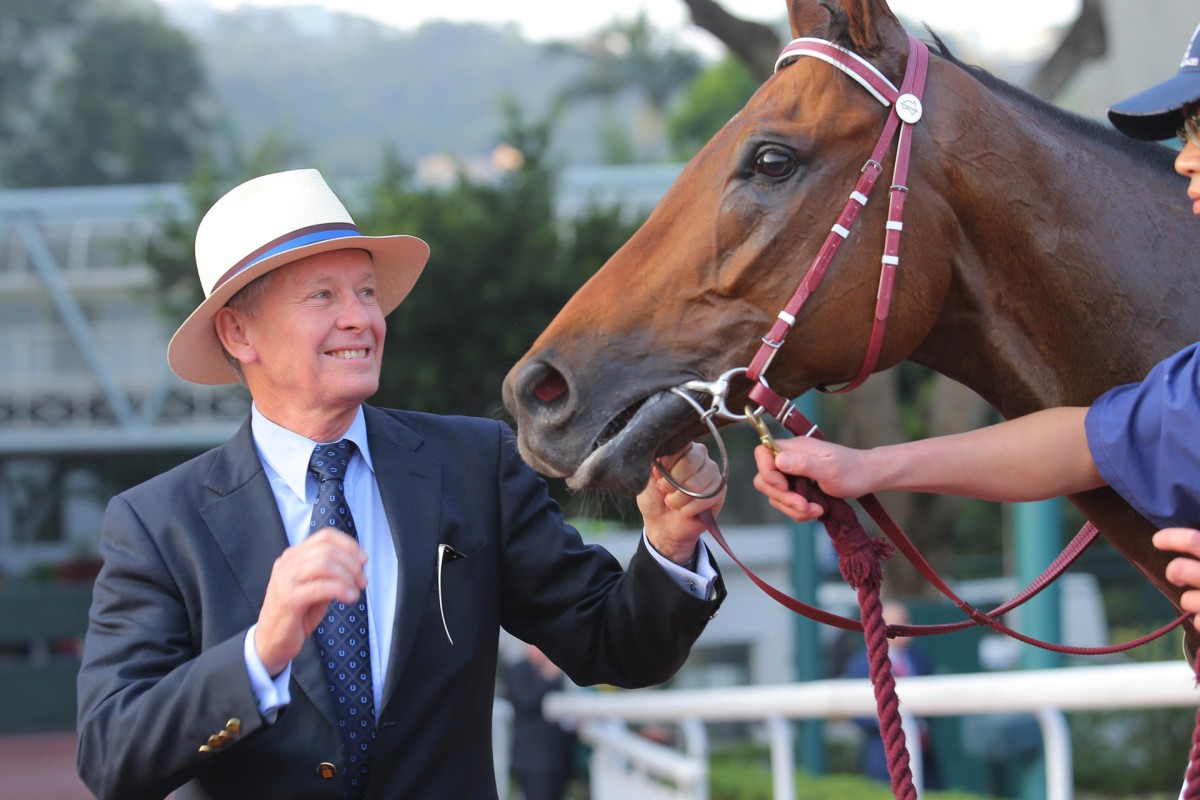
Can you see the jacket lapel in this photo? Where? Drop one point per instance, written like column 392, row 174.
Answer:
column 410, row 485
column 244, row 521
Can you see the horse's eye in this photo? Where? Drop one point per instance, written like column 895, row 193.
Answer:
column 772, row 162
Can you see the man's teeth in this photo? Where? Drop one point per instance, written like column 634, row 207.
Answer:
column 362, row 353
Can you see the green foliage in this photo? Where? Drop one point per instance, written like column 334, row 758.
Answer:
column 744, row 773
column 708, row 103
column 29, row 31
column 126, row 106
column 630, row 58
column 346, row 86
column 633, row 55
column 1132, row 751
column 616, row 145
column 500, row 267
column 1123, row 753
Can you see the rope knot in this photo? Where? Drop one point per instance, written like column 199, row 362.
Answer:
column 861, row 561
column 860, row 557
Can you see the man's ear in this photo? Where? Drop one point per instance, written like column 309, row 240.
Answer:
column 231, row 330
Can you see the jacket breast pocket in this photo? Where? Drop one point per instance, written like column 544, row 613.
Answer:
column 456, row 568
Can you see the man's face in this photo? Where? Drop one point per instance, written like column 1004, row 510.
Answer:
column 315, row 341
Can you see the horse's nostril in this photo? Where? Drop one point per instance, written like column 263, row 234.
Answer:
column 550, row 387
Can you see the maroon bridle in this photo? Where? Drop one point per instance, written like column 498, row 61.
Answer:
column 906, row 110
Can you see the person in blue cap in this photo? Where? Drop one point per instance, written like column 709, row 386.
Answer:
column 1170, row 106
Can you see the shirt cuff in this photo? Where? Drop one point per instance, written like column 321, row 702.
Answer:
column 699, row 583
column 272, row 693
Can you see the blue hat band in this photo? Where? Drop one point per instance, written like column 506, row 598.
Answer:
column 291, row 241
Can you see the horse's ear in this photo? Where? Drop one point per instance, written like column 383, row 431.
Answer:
column 870, row 25
column 808, row 18
column 873, row 27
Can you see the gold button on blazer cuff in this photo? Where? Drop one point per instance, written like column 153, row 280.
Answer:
column 326, row 770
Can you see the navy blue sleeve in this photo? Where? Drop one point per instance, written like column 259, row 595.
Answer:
column 1145, row 440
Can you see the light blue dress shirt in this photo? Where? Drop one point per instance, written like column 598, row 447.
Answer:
column 285, row 457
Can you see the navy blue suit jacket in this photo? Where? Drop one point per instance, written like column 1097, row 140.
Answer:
column 187, row 557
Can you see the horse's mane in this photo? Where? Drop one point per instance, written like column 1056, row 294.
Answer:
column 1156, row 154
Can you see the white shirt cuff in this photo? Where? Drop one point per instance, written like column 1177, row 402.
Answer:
column 272, row 693
column 699, row 583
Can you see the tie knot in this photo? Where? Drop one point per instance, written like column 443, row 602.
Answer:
column 328, row 461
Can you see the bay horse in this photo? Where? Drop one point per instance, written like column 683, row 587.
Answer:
column 1045, row 259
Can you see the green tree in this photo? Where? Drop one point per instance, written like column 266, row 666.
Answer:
column 126, row 105
column 30, row 32
column 708, row 103
column 632, row 56
column 501, row 266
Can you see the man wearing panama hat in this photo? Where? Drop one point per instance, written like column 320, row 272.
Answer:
column 312, row 609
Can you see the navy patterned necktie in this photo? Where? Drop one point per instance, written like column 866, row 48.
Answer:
column 342, row 635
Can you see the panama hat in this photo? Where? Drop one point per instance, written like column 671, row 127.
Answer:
column 264, row 224
column 1154, row 114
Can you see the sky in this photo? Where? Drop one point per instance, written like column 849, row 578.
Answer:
column 991, row 26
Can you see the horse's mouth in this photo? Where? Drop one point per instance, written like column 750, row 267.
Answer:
column 624, row 451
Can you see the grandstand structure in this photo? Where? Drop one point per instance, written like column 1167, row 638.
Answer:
column 83, row 355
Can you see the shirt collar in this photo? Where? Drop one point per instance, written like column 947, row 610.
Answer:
column 287, row 452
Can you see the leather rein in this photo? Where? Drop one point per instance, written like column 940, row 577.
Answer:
column 905, row 111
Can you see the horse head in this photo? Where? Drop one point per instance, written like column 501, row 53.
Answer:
column 1018, row 267
column 690, row 295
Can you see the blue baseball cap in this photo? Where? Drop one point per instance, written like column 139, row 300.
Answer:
column 1155, row 114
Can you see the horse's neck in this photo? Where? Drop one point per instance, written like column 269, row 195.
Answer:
column 1073, row 273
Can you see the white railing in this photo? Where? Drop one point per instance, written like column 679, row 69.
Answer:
column 624, row 767
column 1043, row 693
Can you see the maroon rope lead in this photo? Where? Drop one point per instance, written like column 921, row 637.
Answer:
column 1191, row 790
column 860, row 560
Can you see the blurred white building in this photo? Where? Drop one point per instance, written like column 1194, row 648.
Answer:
column 83, row 357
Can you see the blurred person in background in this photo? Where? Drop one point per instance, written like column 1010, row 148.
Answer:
column 543, row 751
column 907, row 659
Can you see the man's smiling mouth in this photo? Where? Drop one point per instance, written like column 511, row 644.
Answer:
column 349, row 354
